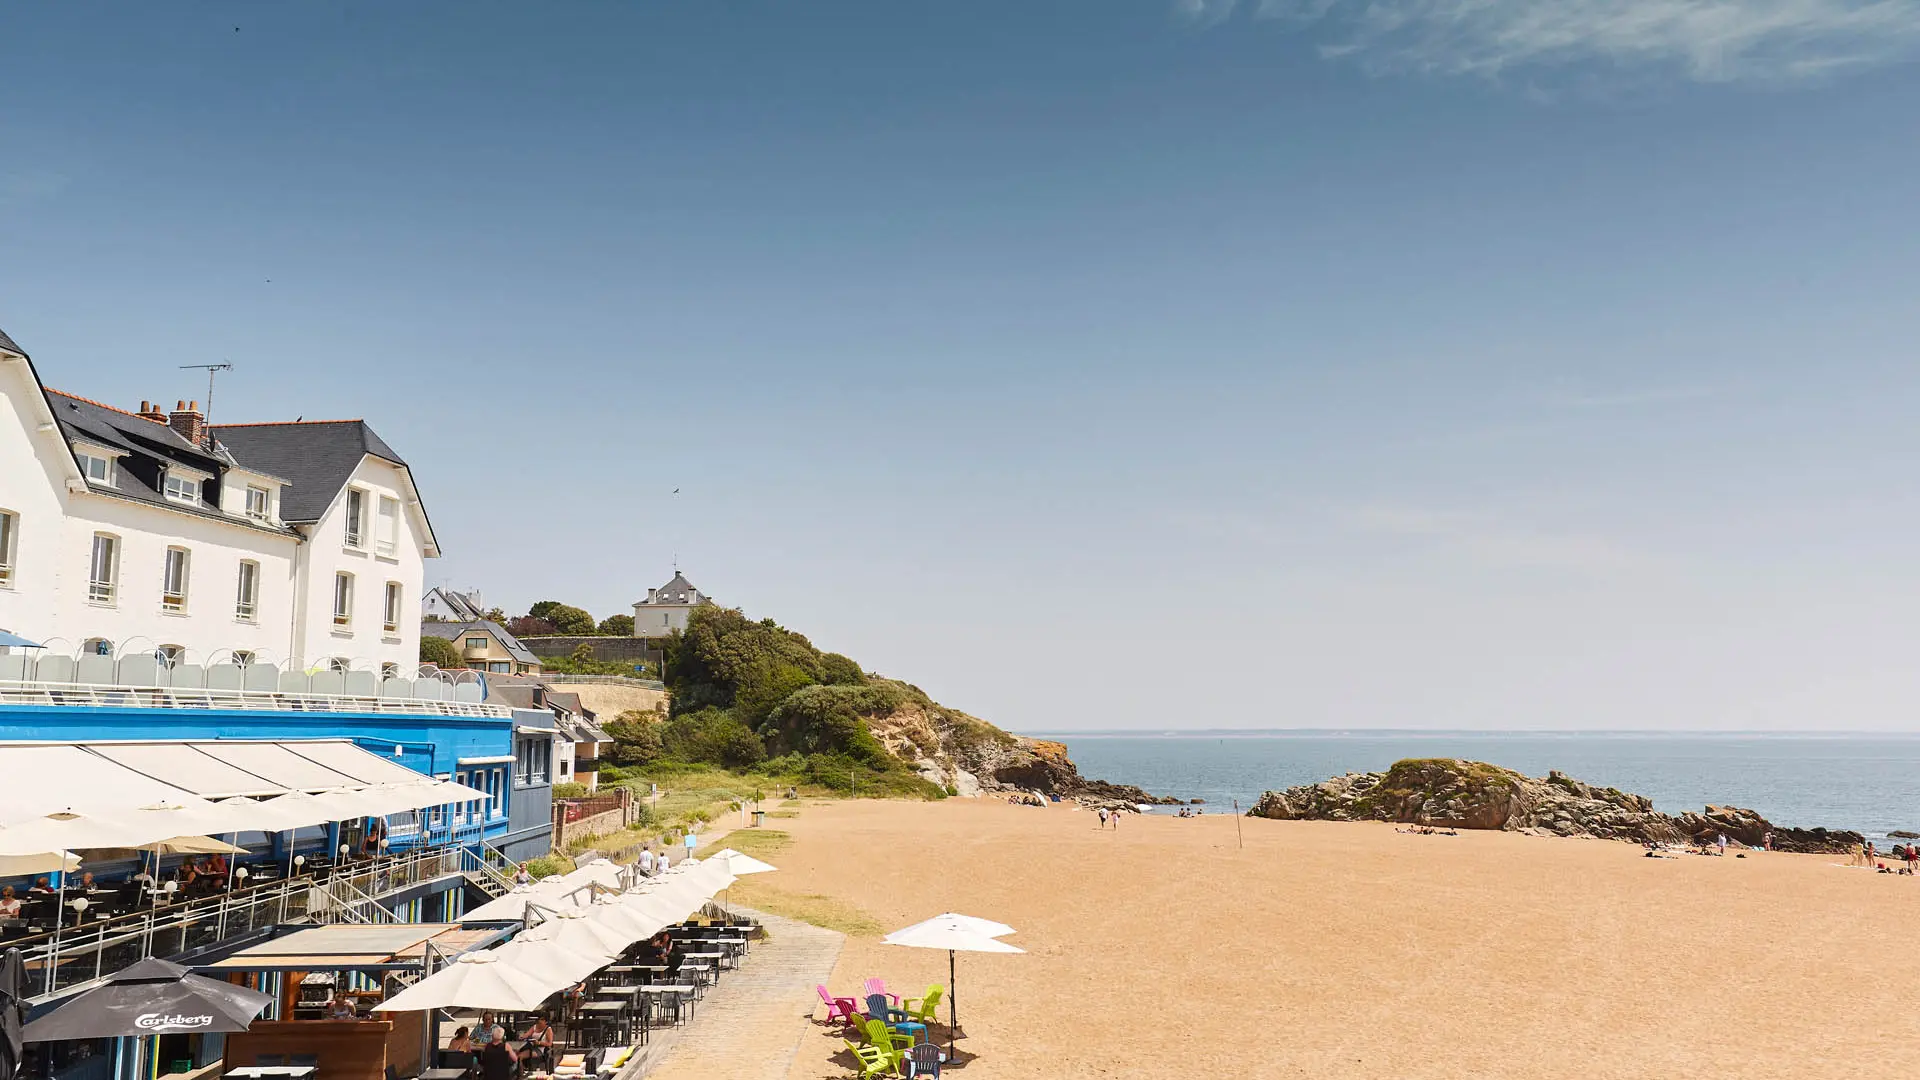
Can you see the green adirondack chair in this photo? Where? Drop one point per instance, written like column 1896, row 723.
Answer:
column 892, row 1043
column 872, row 1060
column 926, row 1010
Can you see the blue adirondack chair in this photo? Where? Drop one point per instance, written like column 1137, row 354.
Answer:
column 895, row 1019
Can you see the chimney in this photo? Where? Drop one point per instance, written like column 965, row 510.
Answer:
column 186, row 420
column 150, row 411
column 651, row 593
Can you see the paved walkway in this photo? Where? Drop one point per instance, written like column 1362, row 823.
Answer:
column 750, row 1025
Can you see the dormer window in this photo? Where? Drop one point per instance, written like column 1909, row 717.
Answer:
column 259, row 503
column 96, row 467
column 181, row 488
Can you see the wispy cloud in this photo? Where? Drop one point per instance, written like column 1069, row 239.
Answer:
column 1494, row 541
column 1756, row 41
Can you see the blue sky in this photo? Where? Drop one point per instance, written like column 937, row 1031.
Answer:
column 1144, row 364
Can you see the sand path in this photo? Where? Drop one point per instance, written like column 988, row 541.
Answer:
column 1163, row 950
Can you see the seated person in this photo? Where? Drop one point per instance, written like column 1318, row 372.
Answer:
column 459, row 1051
column 538, row 1041
column 9, row 904
column 217, row 865
column 497, row 1060
column 40, row 887
column 341, row 1007
column 660, row 947
column 87, row 883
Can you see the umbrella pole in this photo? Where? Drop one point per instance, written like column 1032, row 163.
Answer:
column 953, row 1005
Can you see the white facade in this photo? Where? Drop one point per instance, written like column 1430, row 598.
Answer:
column 199, row 583
column 390, row 553
column 666, row 608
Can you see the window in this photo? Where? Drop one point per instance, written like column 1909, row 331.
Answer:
column 531, row 759
column 97, row 646
column 242, row 657
column 392, row 619
column 476, row 643
column 501, row 666
column 181, row 488
column 389, row 671
column 496, row 792
column 387, row 537
column 170, row 656
column 97, row 467
column 9, row 525
column 343, row 599
column 173, row 581
column 246, row 600
column 259, row 503
column 339, row 665
column 105, row 572
column 356, row 518
column 664, row 617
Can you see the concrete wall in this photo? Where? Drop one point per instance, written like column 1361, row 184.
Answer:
column 607, row 649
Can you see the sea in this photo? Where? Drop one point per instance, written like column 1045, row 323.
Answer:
column 1868, row 783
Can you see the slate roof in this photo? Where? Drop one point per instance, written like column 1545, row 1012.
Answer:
column 461, row 603
column 88, row 421
column 7, row 344
column 677, row 591
column 315, row 456
column 454, row 631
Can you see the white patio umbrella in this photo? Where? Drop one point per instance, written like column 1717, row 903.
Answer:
column 572, row 929
column 956, row 934
column 511, row 906
column 51, row 862
column 666, row 908
column 629, row 922
column 551, row 962
column 294, row 810
column 475, row 980
column 740, row 865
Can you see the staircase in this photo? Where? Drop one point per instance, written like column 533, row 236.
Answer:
column 487, row 868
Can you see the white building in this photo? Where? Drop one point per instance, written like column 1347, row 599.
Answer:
column 666, row 608
column 125, row 532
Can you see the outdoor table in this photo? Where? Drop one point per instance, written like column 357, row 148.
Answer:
column 623, row 991
column 680, row 992
column 275, row 1072
column 430, row 1074
column 613, row 1012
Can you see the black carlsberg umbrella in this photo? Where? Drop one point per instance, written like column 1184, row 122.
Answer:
column 153, row 997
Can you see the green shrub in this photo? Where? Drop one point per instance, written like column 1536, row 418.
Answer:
column 569, row 790
column 438, row 650
column 714, row 736
column 548, row 865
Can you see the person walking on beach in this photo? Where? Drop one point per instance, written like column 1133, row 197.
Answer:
column 1103, row 817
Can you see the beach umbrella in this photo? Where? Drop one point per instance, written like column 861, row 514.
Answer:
column 13, row 1015
column 475, row 980
column 511, row 906
column 740, row 865
column 51, row 862
column 629, row 922
column 15, row 641
column 550, row 962
column 573, row 929
column 153, row 997
column 956, row 934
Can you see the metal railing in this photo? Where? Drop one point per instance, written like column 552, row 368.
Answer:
column 74, row 956
column 487, row 866
column 89, row 695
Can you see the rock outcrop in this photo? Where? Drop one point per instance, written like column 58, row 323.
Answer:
column 971, row 757
column 1475, row 795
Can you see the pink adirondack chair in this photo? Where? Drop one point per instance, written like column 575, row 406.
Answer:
column 879, row 986
column 843, row 1009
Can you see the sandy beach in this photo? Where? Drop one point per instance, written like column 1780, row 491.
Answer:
column 1164, row 950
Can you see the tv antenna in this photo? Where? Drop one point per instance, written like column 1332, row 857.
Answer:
column 211, row 370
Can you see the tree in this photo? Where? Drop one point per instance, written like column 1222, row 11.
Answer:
column 438, row 650
column 529, row 626
column 617, row 626
column 544, row 609
column 570, row 620
column 495, row 615
column 636, row 738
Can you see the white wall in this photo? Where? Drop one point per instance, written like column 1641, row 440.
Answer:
column 32, row 483
column 656, row 621
column 366, row 643
column 48, row 600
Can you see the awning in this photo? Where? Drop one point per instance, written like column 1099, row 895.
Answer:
column 44, row 779
column 354, row 945
column 357, row 762
column 281, row 766
column 503, row 759
column 187, row 767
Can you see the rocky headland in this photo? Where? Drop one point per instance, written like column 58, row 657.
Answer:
column 1447, row 792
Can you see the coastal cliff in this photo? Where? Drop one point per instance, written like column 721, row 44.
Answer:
column 753, row 695
column 1475, row 795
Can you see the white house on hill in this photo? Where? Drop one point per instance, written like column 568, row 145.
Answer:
column 152, row 531
column 666, row 608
